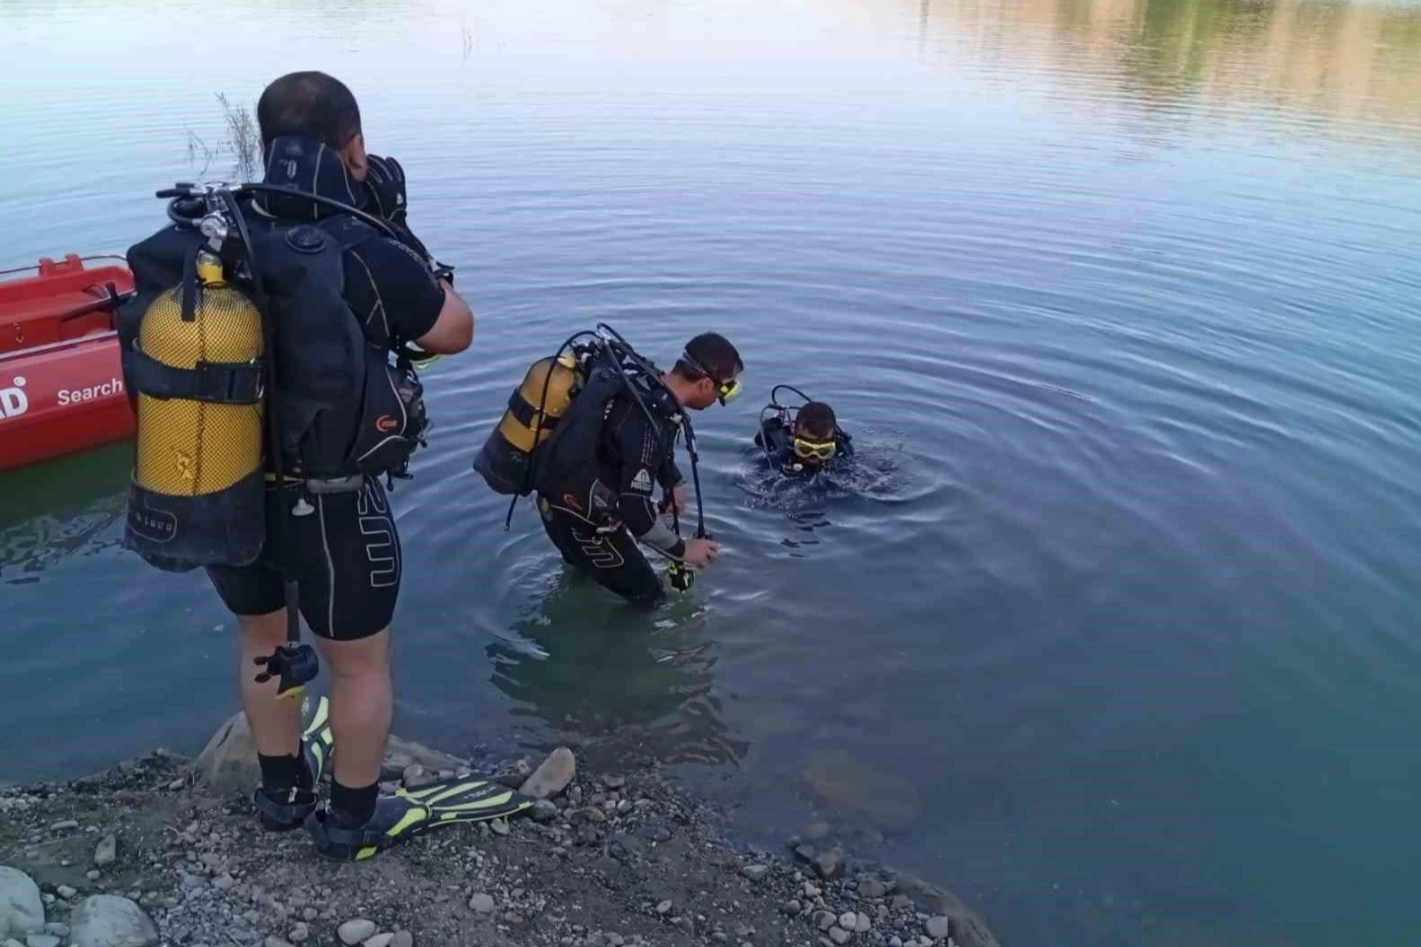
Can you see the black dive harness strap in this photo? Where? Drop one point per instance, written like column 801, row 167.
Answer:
column 529, row 416
column 678, row 575
column 213, row 382
column 293, row 664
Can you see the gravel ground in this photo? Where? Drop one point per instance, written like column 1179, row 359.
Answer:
column 614, row 860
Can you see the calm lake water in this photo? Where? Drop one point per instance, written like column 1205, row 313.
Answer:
column 1113, row 630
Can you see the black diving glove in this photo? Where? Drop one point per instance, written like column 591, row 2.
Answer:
column 389, row 199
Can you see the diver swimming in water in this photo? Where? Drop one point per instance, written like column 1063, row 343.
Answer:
column 800, row 440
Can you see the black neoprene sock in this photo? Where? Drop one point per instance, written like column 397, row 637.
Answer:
column 353, row 806
column 280, row 773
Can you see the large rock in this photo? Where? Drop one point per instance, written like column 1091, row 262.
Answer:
column 965, row 926
column 969, row 930
column 21, row 910
column 229, row 761
column 552, row 775
column 886, row 798
column 105, row 920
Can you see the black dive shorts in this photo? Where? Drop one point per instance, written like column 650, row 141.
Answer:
column 344, row 553
column 613, row 559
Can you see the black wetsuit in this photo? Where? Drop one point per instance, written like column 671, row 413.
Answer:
column 345, row 551
column 776, row 441
column 596, row 521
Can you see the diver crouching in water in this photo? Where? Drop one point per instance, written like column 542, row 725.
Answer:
column 610, row 430
column 800, row 441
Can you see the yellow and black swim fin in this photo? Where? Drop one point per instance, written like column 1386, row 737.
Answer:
column 410, row 811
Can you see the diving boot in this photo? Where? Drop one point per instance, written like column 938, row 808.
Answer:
column 411, row 811
column 285, row 809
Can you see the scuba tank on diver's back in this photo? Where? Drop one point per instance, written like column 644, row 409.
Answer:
column 196, row 367
column 245, row 361
column 534, row 410
column 553, row 420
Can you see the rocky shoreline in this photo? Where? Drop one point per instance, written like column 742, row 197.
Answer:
column 165, row 850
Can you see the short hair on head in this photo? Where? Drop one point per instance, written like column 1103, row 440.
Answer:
column 308, row 103
column 817, row 419
column 713, row 354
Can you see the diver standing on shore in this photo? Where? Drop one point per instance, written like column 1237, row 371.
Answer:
column 318, row 257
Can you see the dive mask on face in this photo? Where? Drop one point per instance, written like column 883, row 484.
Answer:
column 727, row 390
column 817, row 450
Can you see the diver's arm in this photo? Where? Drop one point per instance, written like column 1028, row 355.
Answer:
column 400, row 299
column 453, row 331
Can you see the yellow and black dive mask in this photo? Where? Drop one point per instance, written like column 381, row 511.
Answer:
column 724, row 390
column 814, row 450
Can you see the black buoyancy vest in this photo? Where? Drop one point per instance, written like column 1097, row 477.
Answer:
column 774, row 439
column 570, row 461
column 375, row 431
column 345, row 408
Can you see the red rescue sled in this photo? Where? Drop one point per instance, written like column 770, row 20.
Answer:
column 61, row 381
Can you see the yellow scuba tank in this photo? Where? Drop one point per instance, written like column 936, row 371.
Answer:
column 188, row 447
column 197, row 496
column 534, row 409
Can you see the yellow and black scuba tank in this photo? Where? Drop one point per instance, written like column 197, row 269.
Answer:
column 196, row 365
column 534, row 410
column 547, row 439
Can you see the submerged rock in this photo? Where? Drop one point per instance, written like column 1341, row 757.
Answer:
column 829, row 864
column 886, row 798
column 872, row 888
column 969, row 930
